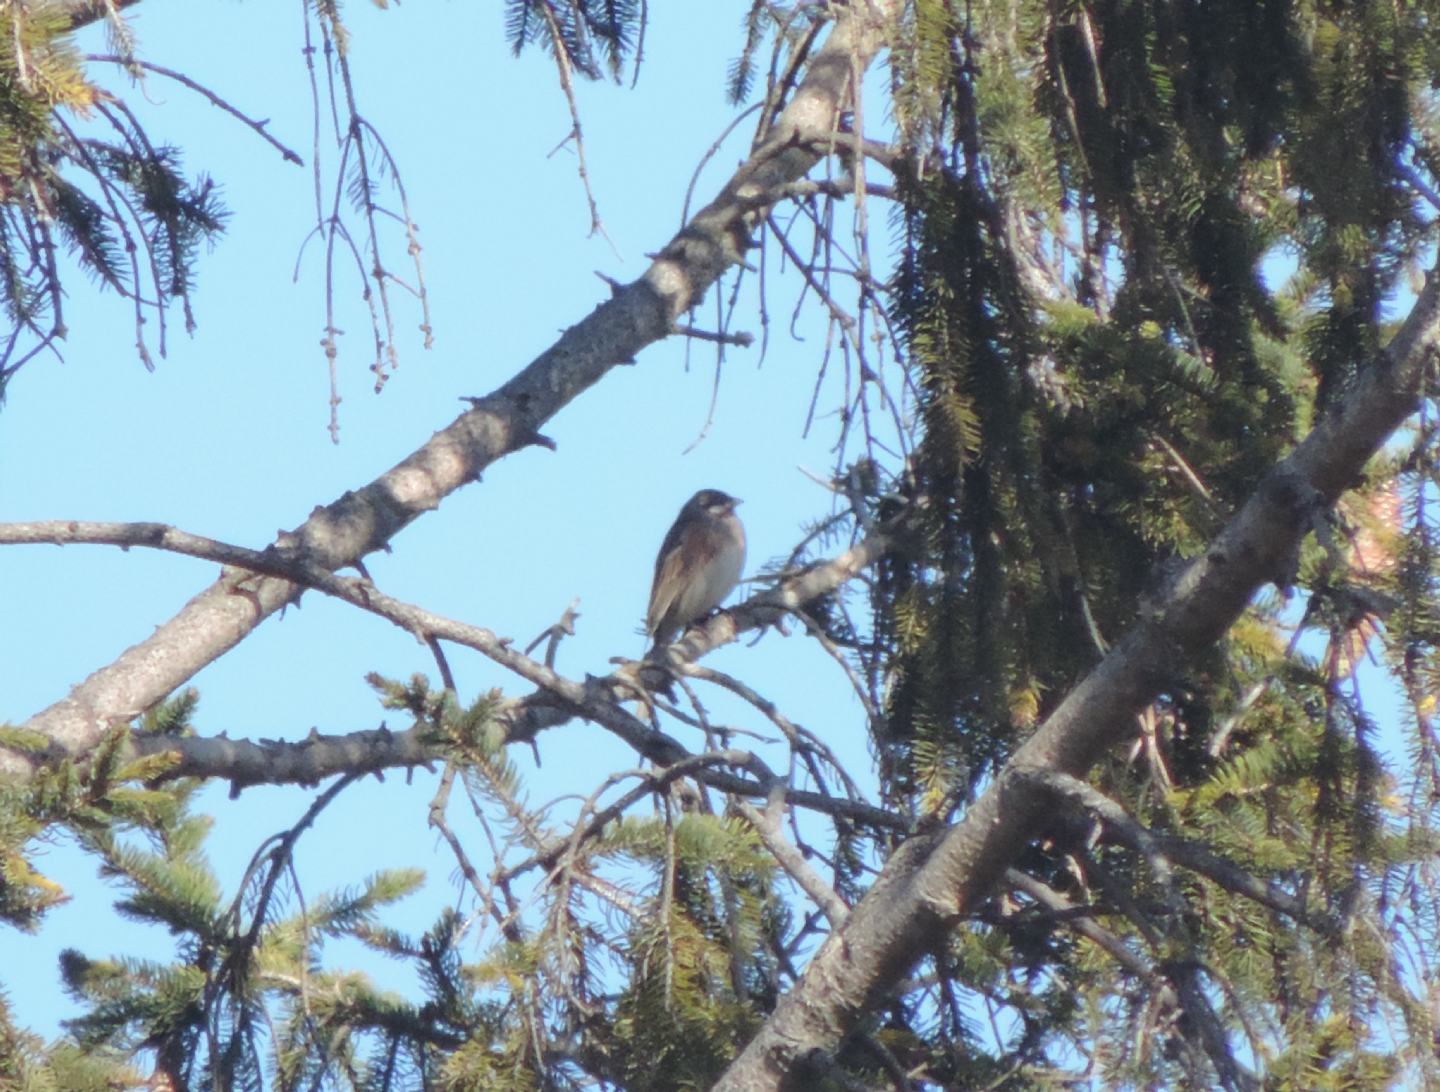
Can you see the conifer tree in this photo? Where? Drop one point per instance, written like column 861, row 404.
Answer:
column 1135, row 471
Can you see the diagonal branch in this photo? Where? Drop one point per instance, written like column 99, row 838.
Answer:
column 766, row 822
column 504, row 421
column 556, row 700
column 934, row 880
column 262, row 128
column 1158, row 847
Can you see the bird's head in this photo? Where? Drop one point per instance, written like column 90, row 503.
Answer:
column 713, row 502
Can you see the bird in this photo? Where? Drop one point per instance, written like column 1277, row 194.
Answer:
column 698, row 565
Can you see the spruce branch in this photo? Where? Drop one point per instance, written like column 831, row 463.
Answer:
column 439, row 820
column 1081, row 920
column 561, row 853
column 564, row 69
column 802, row 742
column 541, row 710
column 766, row 822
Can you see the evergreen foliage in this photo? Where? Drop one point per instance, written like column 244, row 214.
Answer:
column 79, row 173
column 1142, row 161
column 595, row 36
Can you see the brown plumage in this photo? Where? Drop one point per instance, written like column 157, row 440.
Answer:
column 698, row 566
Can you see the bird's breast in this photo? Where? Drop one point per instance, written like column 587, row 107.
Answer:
column 717, row 577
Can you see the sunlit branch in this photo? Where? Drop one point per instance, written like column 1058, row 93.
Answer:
column 766, row 822
column 557, row 701
column 260, row 127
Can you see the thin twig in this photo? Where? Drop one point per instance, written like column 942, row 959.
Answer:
column 214, row 99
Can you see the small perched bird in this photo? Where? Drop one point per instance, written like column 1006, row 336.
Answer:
column 699, row 565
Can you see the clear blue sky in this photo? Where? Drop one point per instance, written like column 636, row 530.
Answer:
column 227, row 438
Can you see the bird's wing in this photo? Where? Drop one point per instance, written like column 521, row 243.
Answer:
column 668, row 568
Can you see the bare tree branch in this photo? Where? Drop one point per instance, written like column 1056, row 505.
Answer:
column 308, row 761
column 556, row 701
column 553, row 704
column 260, row 127
column 246, row 762
column 767, row 825
column 504, row 421
column 934, row 880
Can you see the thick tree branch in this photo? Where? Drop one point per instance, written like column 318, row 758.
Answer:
column 84, row 12
column 500, row 423
column 556, row 701
column 553, row 703
column 308, row 761
column 934, row 880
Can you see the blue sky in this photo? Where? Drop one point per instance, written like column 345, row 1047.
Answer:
column 228, row 436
